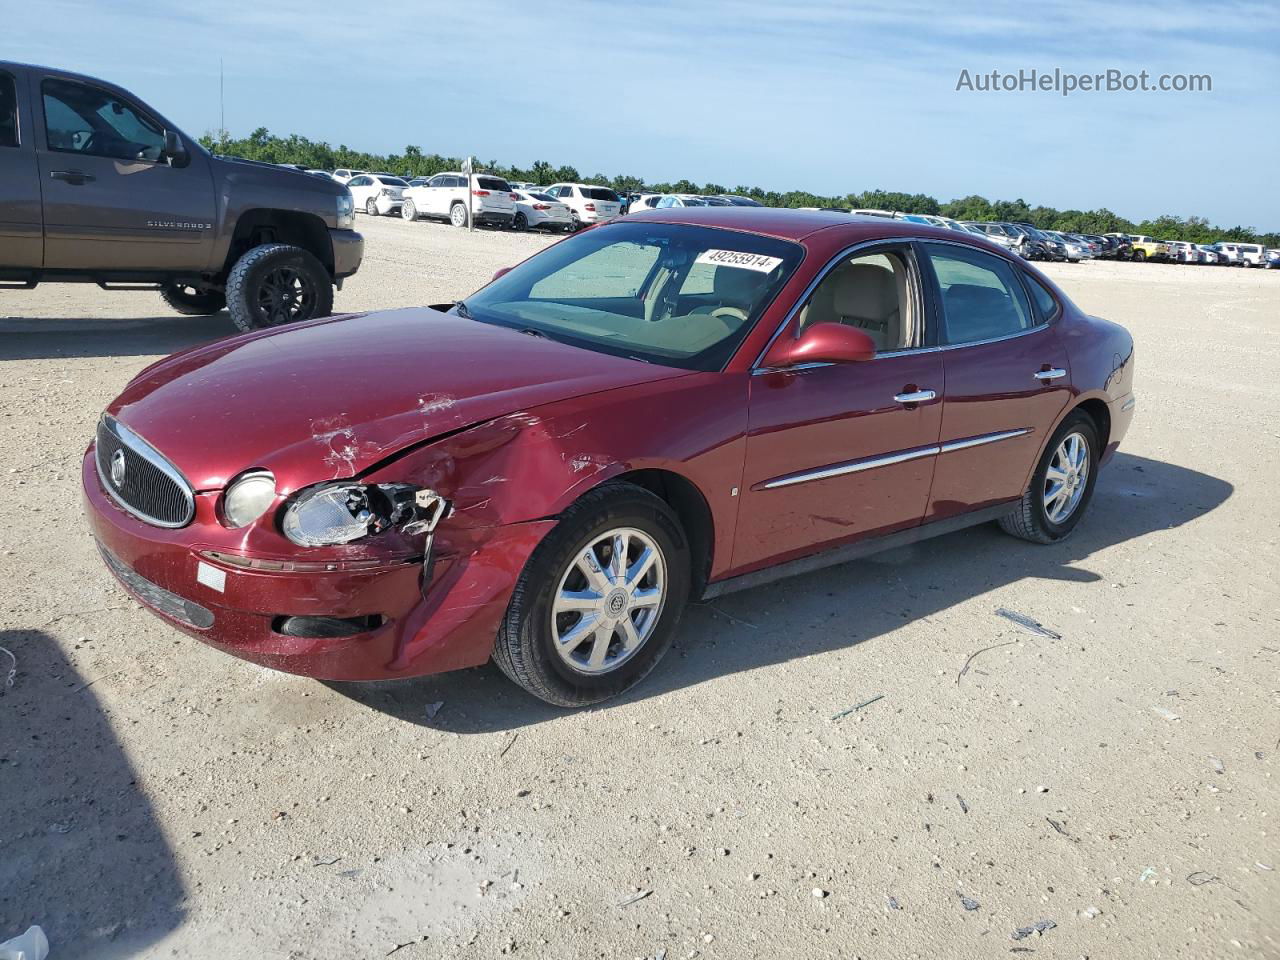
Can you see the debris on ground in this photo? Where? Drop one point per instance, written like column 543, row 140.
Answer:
column 969, row 904
column 1059, row 827
column 973, row 656
column 1218, row 766
column 1090, row 913
column 1147, row 874
column 1167, row 714
column 31, row 945
column 964, row 807
column 819, row 893
column 325, row 862
column 865, row 703
column 1263, row 866
column 635, row 898
column 12, row 673
column 1037, row 928
column 510, row 743
column 1201, row 877
column 1022, row 620
column 893, row 903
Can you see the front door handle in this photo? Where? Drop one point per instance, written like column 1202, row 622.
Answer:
column 1053, row 374
column 74, row 177
column 916, row 396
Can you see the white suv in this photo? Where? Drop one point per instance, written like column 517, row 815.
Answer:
column 444, row 197
column 587, row 203
column 377, row 194
column 1252, row 254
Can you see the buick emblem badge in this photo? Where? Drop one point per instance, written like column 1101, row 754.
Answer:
column 117, row 467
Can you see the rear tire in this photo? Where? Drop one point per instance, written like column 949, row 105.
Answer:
column 276, row 284
column 536, row 645
column 409, row 211
column 192, row 302
column 1040, row 517
column 1139, row 256
column 371, row 207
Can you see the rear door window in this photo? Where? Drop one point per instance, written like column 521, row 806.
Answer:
column 981, row 296
column 8, row 111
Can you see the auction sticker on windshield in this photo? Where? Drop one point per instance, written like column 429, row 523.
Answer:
column 736, row 258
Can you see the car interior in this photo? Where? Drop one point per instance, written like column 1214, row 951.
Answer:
column 872, row 293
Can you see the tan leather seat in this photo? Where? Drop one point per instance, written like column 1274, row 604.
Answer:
column 869, row 297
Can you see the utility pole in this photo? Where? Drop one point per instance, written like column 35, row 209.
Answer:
column 222, row 103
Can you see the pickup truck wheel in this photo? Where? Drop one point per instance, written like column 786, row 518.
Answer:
column 597, row 604
column 1139, row 256
column 371, row 207
column 192, row 302
column 458, row 215
column 275, row 284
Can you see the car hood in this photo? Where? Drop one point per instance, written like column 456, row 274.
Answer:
column 331, row 398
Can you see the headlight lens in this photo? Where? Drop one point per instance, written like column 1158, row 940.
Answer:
column 342, row 512
column 324, row 516
column 248, row 497
column 346, row 212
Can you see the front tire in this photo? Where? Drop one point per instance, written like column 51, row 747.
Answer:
column 458, row 215
column 1062, row 486
column 520, row 222
column 191, row 301
column 597, row 605
column 275, row 284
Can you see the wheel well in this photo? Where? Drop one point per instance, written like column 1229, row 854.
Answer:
column 1101, row 416
column 691, row 509
column 305, row 230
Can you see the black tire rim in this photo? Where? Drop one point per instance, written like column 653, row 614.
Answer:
column 285, row 295
column 521, row 222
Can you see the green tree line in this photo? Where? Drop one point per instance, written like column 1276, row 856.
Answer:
column 295, row 149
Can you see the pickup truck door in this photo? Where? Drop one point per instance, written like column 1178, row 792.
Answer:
column 21, row 241
column 111, row 201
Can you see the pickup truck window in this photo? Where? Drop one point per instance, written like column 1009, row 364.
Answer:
column 80, row 118
column 8, row 112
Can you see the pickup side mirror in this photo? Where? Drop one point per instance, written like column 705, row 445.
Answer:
column 173, row 149
column 822, row 343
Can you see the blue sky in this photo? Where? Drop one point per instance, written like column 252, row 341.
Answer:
column 827, row 95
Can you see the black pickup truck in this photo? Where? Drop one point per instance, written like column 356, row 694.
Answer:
column 96, row 187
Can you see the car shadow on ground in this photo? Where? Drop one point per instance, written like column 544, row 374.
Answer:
column 1135, row 496
column 84, row 856
column 24, row 338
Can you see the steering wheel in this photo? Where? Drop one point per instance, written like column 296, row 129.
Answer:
column 730, row 313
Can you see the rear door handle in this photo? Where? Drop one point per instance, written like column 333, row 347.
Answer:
column 916, row 396
column 1053, row 374
column 74, row 177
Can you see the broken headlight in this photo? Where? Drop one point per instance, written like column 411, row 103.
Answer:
column 340, row 513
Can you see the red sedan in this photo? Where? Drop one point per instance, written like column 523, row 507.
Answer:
column 665, row 407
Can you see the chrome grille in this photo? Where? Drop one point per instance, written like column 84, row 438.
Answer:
column 141, row 480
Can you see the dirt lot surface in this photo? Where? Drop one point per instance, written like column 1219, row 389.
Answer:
column 159, row 799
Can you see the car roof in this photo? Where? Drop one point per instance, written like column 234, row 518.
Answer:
column 786, row 224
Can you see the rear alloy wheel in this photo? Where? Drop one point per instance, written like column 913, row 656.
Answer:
column 371, row 207
column 458, row 215
column 598, row 602
column 192, row 301
column 276, row 284
column 1062, row 485
column 409, row 211
column 520, row 222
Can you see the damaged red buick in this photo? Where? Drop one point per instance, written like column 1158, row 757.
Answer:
column 666, row 407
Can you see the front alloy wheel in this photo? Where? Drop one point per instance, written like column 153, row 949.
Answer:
column 458, row 215
column 597, row 604
column 609, row 601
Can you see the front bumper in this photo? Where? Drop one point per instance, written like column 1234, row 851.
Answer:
column 440, row 613
column 348, row 251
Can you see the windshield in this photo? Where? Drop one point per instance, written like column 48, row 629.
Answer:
column 674, row 294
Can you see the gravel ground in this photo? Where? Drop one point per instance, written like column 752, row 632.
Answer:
column 1114, row 785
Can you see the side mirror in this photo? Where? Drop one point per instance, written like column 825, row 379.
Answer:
column 822, row 343
column 173, row 148
column 500, row 273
